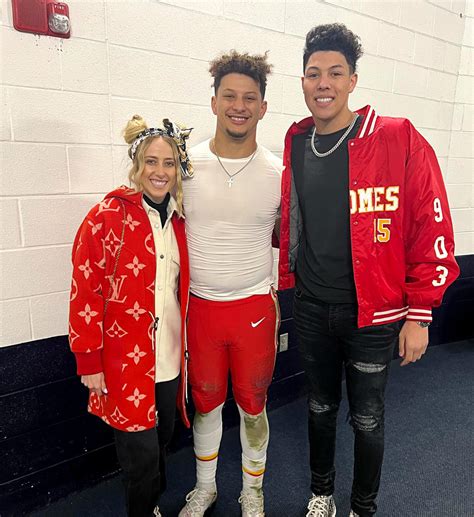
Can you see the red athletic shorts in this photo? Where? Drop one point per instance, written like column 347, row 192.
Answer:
column 239, row 337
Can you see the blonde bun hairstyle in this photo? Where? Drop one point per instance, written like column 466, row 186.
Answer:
column 134, row 127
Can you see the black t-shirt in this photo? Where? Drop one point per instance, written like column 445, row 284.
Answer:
column 324, row 263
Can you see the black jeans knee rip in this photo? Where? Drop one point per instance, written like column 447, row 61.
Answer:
column 368, row 367
column 364, row 422
column 330, row 342
column 318, row 407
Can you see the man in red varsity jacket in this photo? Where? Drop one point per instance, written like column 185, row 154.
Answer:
column 367, row 240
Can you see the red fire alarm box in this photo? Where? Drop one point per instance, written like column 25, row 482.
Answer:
column 58, row 20
column 42, row 17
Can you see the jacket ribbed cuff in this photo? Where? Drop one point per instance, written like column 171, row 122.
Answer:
column 419, row 313
column 89, row 363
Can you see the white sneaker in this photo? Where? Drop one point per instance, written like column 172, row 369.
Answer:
column 321, row 506
column 251, row 503
column 198, row 502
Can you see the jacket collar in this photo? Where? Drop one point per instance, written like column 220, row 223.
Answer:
column 136, row 197
column 368, row 125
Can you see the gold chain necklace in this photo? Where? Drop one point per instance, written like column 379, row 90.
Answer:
column 230, row 177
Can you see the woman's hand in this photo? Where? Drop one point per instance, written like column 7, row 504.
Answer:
column 95, row 382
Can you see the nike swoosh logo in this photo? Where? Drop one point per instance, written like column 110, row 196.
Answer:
column 257, row 323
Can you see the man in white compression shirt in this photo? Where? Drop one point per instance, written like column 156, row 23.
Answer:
column 231, row 205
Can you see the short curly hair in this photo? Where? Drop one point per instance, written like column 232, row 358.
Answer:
column 254, row 66
column 333, row 36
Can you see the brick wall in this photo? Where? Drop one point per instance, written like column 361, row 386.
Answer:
column 64, row 103
column 460, row 169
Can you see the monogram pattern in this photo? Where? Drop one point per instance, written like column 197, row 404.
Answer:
column 136, row 311
column 119, row 342
column 85, row 268
column 88, row 313
column 135, row 266
column 136, row 354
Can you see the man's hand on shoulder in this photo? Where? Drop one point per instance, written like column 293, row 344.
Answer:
column 413, row 341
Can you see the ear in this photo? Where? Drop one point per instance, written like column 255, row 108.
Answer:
column 263, row 110
column 353, row 82
column 214, row 104
column 302, row 82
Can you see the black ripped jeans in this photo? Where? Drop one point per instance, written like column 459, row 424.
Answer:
column 328, row 340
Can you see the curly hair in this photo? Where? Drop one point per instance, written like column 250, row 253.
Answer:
column 254, row 66
column 333, row 36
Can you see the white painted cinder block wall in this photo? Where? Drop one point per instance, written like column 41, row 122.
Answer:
column 64, row 103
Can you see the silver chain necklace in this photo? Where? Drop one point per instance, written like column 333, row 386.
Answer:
column 231, row 177
column 338, row 143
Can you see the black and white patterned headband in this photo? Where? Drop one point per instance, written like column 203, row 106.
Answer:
column 179, row 136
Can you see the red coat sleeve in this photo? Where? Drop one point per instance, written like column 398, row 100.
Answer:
column 86, row 308
column 429, row 240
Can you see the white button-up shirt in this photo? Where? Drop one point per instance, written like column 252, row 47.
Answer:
column 167, row 309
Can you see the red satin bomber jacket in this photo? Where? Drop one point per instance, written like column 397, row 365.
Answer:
column 401, row 231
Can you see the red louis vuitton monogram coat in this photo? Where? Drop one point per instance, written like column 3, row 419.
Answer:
column 121, row 344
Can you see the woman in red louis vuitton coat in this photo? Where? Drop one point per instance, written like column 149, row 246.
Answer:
column 129, row 299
